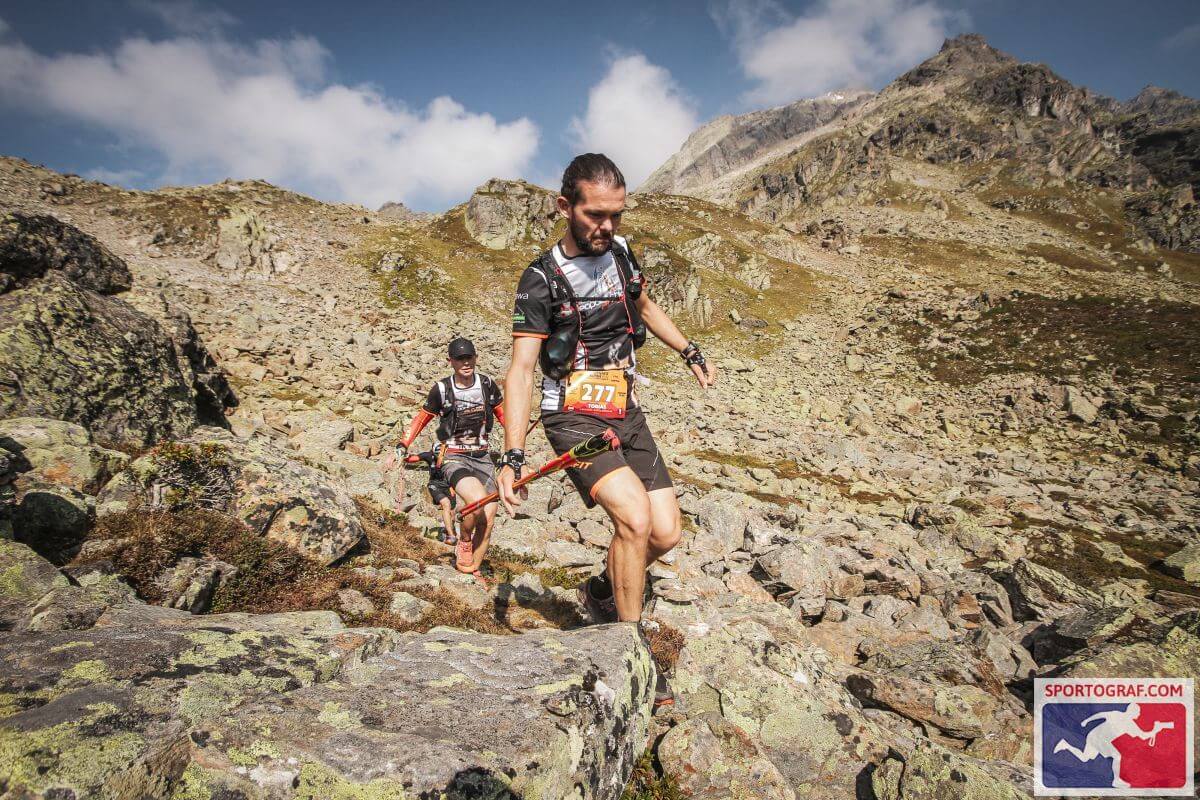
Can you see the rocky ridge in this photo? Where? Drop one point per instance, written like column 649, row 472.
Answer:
column 968, row 105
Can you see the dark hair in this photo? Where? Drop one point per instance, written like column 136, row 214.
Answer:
column 591, row 167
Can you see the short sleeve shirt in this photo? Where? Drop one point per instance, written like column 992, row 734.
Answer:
column 605, row 341
column 471, row 428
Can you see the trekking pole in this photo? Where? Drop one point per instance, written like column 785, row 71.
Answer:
column 588, row 448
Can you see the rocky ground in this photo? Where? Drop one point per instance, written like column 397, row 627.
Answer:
column 954, row 447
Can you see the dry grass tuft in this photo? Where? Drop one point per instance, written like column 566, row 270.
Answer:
column 649, row 783
column 666, row 642
column 271, row 577
column 447, row 611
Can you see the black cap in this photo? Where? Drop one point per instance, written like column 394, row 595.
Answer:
column 461, row 347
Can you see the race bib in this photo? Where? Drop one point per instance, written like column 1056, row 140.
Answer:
column 599, row 392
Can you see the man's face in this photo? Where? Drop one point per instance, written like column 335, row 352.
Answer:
column 464, row 367
column 594, row 219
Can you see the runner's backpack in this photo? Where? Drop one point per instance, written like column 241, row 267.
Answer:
column 449, row 415
column 557, row 356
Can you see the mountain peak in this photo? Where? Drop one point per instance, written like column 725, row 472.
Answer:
column 967, row 55
column 1162, row 106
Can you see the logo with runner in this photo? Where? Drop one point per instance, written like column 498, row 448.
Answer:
column 1113, row 736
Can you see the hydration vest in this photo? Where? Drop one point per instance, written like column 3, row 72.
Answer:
column 449, row 417
column 557, row 356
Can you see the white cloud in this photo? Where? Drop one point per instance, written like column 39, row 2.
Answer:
column 636, row 115
column 116, row 177
column 212, row 108
column 837, row 44
column 1187, row 36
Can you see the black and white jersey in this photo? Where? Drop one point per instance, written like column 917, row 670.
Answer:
column 470, row 421
column 605, row 341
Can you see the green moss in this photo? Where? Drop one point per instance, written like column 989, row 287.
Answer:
column 213, row 694
column 561, row 577
column 334, row 715
column 12, row 581
column 193, row 784
column 84, row 672
column 258, row 750
column 63, row 755
column 318, row 782
column 648, row 782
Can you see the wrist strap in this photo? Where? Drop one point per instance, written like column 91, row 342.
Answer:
column 692, row 355
column 514, row 459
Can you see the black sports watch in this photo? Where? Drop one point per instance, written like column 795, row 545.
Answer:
column 692, row 356
column 514, row 458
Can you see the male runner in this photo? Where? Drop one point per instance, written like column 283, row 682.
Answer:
column 466, row 403
column 580, row 311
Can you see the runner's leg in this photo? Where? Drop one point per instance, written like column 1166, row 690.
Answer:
column 469, row 489
column 483, row 534
column 447, row 515
column 1109, row 750
column 1063, row 744
column 666, row 527
column 621, row 494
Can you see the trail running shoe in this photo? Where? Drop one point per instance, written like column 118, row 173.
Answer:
column 663, row 695
column 464, row 554
column 600, row 610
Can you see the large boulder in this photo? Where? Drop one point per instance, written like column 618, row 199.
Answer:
column 931, row 772
column 107, row 711
column 32, row 244
column 753, row 670
column 143, row 701
column 713, row 759
column 252, row 479
column 210, row 386
column 70, row 351
column 52, row 519
column 71, row 354
column 25, row 578
column 1043, row 594
column 1184, row 564
column 61, row 452
column 244, row 246
column 562, row 714
column 502, row 215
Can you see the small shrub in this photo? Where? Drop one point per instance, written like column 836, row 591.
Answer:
column 191, row 476
column 665, row 641
column 648, row 782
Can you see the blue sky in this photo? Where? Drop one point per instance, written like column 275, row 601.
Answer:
column 421, row 101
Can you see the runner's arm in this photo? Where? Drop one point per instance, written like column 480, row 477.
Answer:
column 498, row 412
column 415, row 427
column 518, row 386
column 658, row 323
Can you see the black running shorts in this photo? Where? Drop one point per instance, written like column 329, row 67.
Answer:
column 439, row 491
column 638, row 451
column 457, row 466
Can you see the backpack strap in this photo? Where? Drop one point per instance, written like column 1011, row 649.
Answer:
column 561, row 290
column 449, row 409
column 486, row 385
column 631, row 271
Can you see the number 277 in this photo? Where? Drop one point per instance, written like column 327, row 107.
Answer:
column 598, row 393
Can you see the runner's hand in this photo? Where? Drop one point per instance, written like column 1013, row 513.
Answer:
column 706, row 376
column 510, row 498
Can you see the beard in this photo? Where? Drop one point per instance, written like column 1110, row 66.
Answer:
column 588, row 247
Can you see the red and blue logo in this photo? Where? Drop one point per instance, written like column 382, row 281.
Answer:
column 1113, row 736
